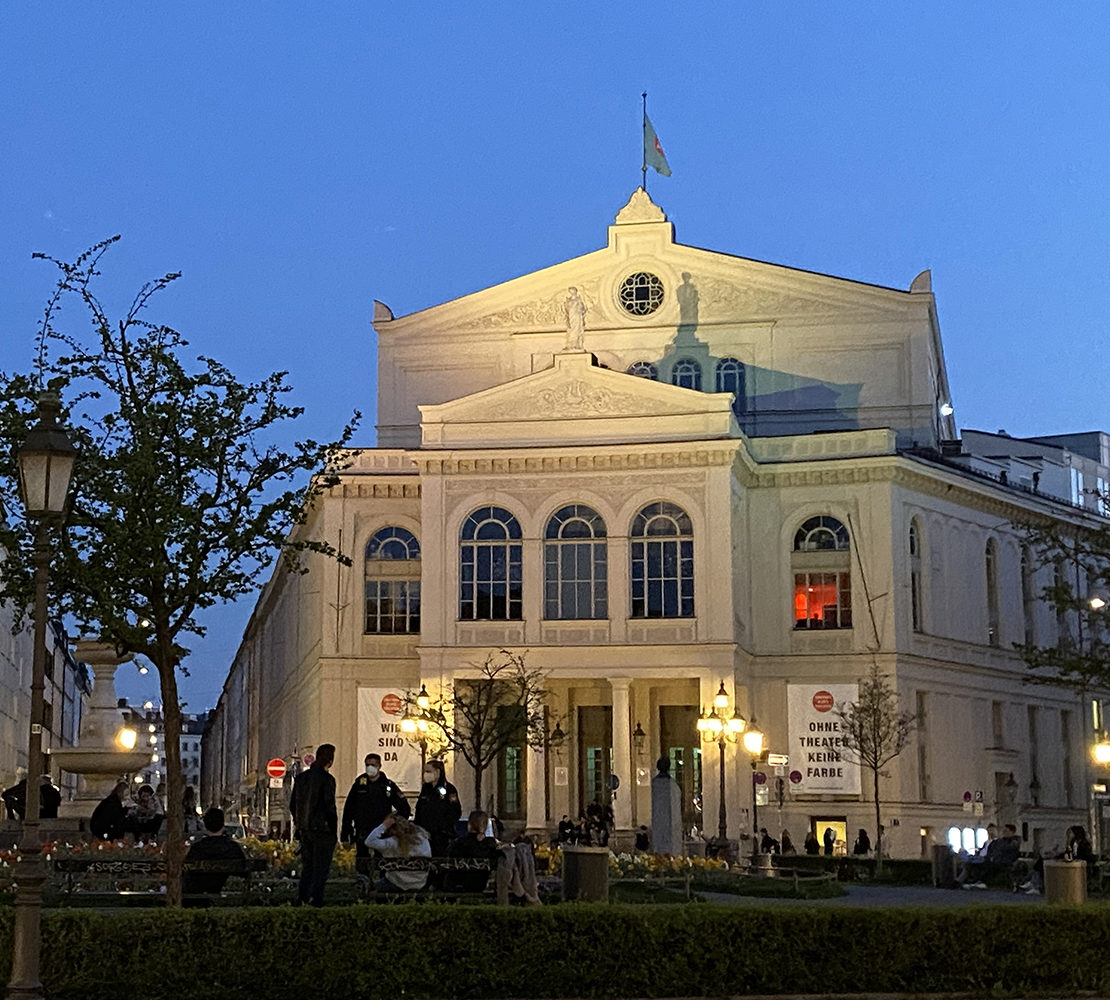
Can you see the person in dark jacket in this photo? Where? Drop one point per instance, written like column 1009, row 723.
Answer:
column 812, row 845
column 438, row 807
column 109, row 819
column 862, row 844
column 474, row 845
column 215, row 845
column 317, row 824
column 15, row 798
column 372, row 797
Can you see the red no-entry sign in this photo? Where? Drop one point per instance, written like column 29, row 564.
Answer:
column 276, row 768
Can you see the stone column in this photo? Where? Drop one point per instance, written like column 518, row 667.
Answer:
column 535, row 783
column 622, row 753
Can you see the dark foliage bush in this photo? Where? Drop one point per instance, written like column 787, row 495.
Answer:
column 573, row 950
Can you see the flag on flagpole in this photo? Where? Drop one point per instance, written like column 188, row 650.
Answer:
column 653, row 150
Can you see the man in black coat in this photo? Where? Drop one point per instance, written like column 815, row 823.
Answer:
column 215, row 845
column 372, row 797
column 317, row 824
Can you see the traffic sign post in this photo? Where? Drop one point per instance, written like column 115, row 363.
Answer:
column 276, row 768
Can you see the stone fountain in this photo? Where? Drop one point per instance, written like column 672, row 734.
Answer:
column 98, row 759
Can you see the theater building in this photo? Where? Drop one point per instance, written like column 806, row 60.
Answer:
column 660, row 469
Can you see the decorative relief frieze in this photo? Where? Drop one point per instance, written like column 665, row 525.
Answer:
column 575, row 398
column 725, row 299
column 700, row 457
column 540, row 314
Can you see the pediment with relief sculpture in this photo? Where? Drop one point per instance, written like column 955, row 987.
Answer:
column 575, row 401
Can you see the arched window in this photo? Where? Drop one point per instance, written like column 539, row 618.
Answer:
column 575, row 568
column 686, row 374
column 990, row 565
column 662, row 549
column 645, row 369
column 490, row 566
column 917, row 616
column 821, row 562
column 392, row 570
column 1028, row 597
column 730, row 378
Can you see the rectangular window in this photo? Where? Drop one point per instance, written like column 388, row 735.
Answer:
column 1065, row 756
column 392, row 607
column 512, row 782
column 822, row 600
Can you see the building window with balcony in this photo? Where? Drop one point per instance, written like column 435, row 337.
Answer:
column 392, row 570
column 821, row 562
column 662, row 551
column 490, row 566
column 575, row 568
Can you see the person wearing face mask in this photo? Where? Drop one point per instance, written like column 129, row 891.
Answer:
column 438, row 807
column 372, row 797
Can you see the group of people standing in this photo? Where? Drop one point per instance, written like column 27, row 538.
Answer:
column 376, row 817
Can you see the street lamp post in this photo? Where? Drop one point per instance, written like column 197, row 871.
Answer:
column 415, row 727
column 717, row 726
column 45, row 468
column 753, row 744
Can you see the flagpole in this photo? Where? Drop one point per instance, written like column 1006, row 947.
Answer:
column 643, row 129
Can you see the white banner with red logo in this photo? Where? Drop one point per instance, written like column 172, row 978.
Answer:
column 379, row 731
column 817, row 738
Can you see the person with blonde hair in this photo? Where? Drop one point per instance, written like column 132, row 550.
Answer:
column 398, row 837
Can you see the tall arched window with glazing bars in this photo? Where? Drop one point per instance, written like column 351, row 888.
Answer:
column 392, row 581
column 662, row 550
column 917, row 610
column 686, row 374
column 730, row 378
column 821, row 561
column 490, row 566
column 575, row 577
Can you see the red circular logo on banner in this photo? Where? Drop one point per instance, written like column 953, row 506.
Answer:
column 823, row 701
column 392, row 704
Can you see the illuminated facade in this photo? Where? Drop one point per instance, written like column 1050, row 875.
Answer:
column 658, row 469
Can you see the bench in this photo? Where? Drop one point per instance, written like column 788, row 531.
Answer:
column 435, row 868
column 119, row 870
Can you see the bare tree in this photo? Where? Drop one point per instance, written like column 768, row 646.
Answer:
column 481, row 716
column 876, row 730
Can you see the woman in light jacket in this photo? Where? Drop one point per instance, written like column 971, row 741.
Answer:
column 397, row 837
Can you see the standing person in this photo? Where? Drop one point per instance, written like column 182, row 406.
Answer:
column 317, row 824
column 863, row 843
column 372, row 797
column 787, row 844
column 193, row 824
column 830, row 840
column 812, row 845
column 50, row 798
column 438, row 807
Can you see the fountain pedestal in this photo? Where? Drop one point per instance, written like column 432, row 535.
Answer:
column 97, row 759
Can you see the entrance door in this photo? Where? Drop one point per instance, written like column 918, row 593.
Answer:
column 678, row 736
column 595, row 754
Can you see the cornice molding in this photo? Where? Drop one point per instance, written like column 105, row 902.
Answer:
column 695, row 456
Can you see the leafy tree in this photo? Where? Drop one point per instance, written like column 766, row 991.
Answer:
column 876, row 730
column 177, row 502
column 481, row 716
column 1078, row 557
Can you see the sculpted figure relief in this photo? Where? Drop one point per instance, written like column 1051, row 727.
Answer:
column 576, row 319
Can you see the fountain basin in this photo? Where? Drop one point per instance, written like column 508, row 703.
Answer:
column 99, row 761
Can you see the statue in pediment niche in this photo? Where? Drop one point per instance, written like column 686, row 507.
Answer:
column 575, row 309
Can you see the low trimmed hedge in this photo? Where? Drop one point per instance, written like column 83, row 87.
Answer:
column 578, row 950
column 849, row 868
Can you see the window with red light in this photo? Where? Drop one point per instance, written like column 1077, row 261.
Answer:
column 822, row 575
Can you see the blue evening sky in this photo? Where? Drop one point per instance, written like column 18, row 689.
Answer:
column 296, row 161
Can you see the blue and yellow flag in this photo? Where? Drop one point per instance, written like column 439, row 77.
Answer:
column 653, row 150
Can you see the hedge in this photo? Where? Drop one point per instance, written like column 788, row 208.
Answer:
column 433, row 950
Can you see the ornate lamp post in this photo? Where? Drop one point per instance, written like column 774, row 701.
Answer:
column 45, row 469
column 753, row 744
column 719, row 727
column 415, row 727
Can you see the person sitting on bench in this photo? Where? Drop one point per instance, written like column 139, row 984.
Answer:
column 474, row 845
column 215, row 845
column 397, row 837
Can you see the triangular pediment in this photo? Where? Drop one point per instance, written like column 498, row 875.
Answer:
column 576, row 402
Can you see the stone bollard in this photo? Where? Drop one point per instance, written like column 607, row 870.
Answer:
column 1065, row 881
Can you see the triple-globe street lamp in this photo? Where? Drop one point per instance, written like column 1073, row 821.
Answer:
column 720, row 727
column 415, row 727
column 45, row 470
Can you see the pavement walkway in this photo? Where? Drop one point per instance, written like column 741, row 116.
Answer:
column 879, row 896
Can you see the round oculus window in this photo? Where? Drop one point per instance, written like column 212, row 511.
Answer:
column 641, row 293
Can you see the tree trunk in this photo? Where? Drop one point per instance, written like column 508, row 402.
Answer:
column 878, row 827
column 174, row 845
column 478, row 771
